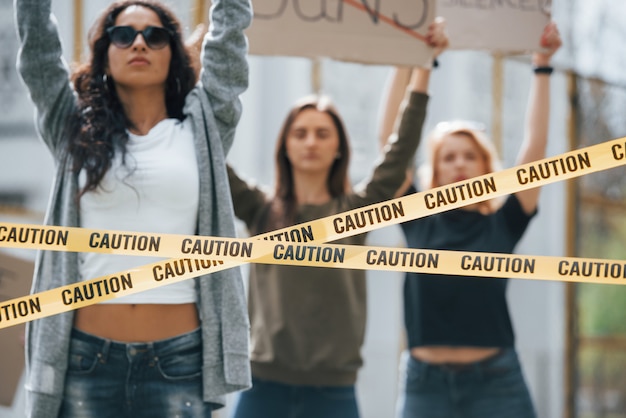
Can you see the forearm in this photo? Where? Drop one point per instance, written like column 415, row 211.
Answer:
column 247, row 200
column 395, row 92
column 40, row 60
column 224, row 61
column 399, row 150
column 537, row 119
column 420, row 78
column 411, row 122
column 536, row 133
column 538, row 111
column 404, row 82
column 42, row 67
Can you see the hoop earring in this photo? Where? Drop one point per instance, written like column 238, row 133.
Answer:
column 105, row 81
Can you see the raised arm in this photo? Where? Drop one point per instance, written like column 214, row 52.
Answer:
column 538, row 112
column 224, row 74
column 403, row 81
column 43, row 69
column 248, row 200
column 406, row 105
column 395, row 93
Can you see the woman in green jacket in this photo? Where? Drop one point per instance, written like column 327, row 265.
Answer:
column 308, row 323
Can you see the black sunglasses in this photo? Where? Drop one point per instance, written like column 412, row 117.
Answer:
column 155, row 37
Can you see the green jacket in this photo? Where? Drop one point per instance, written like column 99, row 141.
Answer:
column 308, row 323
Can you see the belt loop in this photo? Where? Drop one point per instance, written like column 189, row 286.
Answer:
column 151, row 351
column 103, row 355
column 423, row 369
column 480, row 371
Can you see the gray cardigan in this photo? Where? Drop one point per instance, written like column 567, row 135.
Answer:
column 214, row 108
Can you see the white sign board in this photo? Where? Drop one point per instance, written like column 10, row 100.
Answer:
column 367, row 31
column 495, row 25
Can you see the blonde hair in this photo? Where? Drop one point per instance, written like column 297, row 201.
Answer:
column 475, row 132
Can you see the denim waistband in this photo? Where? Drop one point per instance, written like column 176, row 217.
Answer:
column 504, row 355
column 475, row 364
column 159, row 347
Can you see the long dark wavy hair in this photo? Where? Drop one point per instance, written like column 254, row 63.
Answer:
column 283, row 208
column 99, row 127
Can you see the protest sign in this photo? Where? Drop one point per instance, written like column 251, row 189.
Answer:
column 506, row 26
column 367, row 31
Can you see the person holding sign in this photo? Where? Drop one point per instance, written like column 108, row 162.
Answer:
column 308, row 323
column 461, row 360
column 140, row 146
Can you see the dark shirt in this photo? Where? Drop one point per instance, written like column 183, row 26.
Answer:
column 460, row 310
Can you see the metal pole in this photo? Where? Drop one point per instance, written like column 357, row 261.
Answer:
column 78, row 31
column 571, row 302
column 200, row 11
column 316, row 75
column 497, row 82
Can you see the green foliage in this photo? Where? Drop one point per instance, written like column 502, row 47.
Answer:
column 602, row 308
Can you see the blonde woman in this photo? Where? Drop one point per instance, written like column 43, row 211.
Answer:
column 461, row 359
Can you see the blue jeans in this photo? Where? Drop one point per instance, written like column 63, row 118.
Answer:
column 276, row 400
column 492, row 388
column 109, row 379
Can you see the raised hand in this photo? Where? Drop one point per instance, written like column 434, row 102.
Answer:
column 437, row 37
column 551, row 42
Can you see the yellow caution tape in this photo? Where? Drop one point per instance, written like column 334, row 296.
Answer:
column 66, row 298
column 301, row 244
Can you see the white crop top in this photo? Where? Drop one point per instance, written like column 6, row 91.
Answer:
column 156, row 190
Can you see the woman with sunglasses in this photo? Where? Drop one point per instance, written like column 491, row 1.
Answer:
column 308, row 323
column 139, row 146
column 461, row 360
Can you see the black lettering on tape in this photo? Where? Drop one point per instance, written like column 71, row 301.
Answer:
column 592, row 269
column 498, row 263
column 556, row 167
column 309, row 253
column 212, row 247
column 459, row 193
column 410, row 259
column 367, row 217
column 21, row 309
column 301, row 234
column 96, row 289
column 33, row 236
column 125, row 242
column 181, row 267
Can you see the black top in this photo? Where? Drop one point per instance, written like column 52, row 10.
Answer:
column 460, row 310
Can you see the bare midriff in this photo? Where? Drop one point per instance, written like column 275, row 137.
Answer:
column 453, row 355
column 137, row 322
